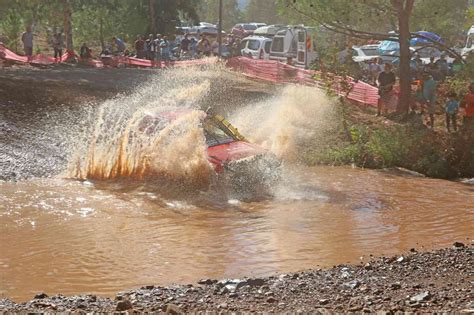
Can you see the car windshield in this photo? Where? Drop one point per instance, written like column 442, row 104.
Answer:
column 249, row 27
column 253, row 44
column 215, row 135
column 370, row 51
column 277, row 44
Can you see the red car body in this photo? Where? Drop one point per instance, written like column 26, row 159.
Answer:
column 224, row 142
column 243, row 29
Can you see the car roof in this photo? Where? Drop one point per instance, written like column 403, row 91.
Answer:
column 256, row 37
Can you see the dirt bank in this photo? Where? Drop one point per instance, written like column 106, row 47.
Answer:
column 437, row 281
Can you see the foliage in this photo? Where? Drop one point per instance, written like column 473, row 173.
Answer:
column 94, row 21
column 265, row 11
column 407, row 146
column 208, row 11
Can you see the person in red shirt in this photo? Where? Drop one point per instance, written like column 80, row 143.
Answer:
column 468, row 105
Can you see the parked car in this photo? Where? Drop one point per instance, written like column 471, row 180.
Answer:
column 268, row 30
column 204, row 28
column 256, row 47
column 364, row 53
column 243, row 29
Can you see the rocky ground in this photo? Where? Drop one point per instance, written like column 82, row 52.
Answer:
column 437, row 281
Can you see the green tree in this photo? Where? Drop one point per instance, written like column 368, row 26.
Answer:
column 208, row 11
column 265, row 11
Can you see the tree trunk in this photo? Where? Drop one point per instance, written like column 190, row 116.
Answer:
column 404, row 11
column 68, row 24
column 101, row 32
column 152, row 13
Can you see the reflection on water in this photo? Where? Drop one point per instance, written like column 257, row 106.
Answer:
column 74, row 237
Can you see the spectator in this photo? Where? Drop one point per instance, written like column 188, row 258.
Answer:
column 140, row 47
column 157, row 49
column 433, row 69
column 165, row 50
column 119, row 44
column 193, row 47
column 185, row 45
column 150, row 47
column 443, row 67
column 374, row 70
column 203, row 46
column 468, row 105
column 457, row 65
column 451, row 108
column 429, row 96
column 27, row 40
column 85, row 52
column 385, row 80
column 58, row 45
column 418, row 66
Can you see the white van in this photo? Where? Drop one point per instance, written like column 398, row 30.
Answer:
column 297, row 42
column 256, row 47
column 469, row 42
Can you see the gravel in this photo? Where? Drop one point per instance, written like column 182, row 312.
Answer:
column 436, row 281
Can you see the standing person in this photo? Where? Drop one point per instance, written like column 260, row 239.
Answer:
column 58, row 44
column 119, row 44
column 468, row 105
column 433, row 69
column 140, row 47
column 203, row 46
column 150, row 47
column 27, row 40
column 451, row 108
column 157, row 49
column 374, row 70
column 85, row 52
column 193, row 47
column 185, row 46
column 443, row 67
column 385, row 82
column 429, row 95
column 165, row 50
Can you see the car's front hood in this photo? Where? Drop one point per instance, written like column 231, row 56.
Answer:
column 233, row 151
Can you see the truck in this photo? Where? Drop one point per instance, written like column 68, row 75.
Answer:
column 296, row 42
column 469, row 42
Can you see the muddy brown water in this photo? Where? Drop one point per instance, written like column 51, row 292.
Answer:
column 61, row 234
column 70, row 236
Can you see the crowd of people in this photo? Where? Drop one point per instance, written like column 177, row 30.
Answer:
column 163, row 48
column 425, row 95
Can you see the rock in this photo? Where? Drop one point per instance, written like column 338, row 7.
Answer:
column 323, row 301
column 172, row 309
column 257, row 282
column 352, row 284
column 41, row 295
column 458, row 245
column 421, row 297
column 149, row 287
column 123, row 306
column 395, row 286
column 367, row 266
column 233, row 295
column 272, row 300
column 207, row 281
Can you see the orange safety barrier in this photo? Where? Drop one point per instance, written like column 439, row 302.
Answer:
column 268, row 70
column 275, row 71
